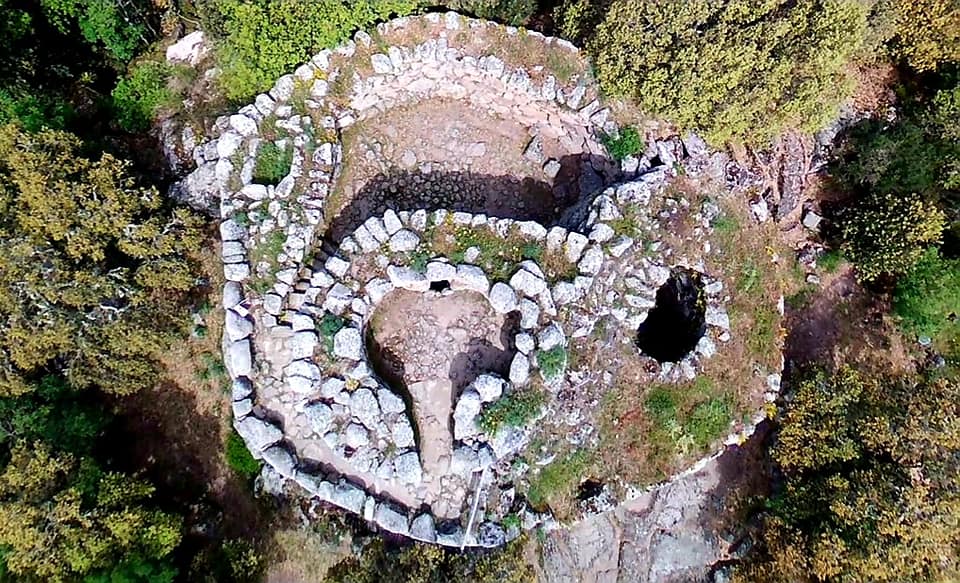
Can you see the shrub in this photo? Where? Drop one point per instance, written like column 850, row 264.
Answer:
column 514, row 12
column 262, row 40
column 927, row 299
column 733, row 70
column 512, row 410
column 239, row 457
column 272, row 164
column 137, row 97
column 926, row 32
column 552, row 362
column 888, row 234
column 626, row 143
column 102, row 22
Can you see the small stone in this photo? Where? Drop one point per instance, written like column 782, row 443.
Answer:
column 601, row 233
column 716, row 316
column 574, row 246
column 406, row 278
column 237, row 327
column 243, row 124
column 280, row 459
column 463, row 461
column 238, row 358
column 390, row 402
column 377, row 288
column 337, row 266
column 527, row 283
column 471, row 254
column 402, row 433
column 408, row 159
column 381, row 64
column 470, row 277
column 534, row 150
column 348, row 497
column 423, row 528
column 529, row 314
column 503, row 298
column 408, row 469
column 347, row 344
column 390, row 519
column 320, row 417
column 403, row 241
column 565, row 292
column 302, row 344
column 356, row 436
column 236, row 271
column 592, row 261
column 465, row 415
column 524, row 343
column 551, row 337
column 257, row 433
column 811, row 220
column 439, row 271
column 391, row 222
column 364, row 406
column 519, row 369
column 551, row 168
column 488, row 387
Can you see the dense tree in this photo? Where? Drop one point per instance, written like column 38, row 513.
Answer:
column 93, row 269
column 734, row 69
column 870, row 494
column 420, row 563
column 295, row 29
column 926, row 32
column 62, row 518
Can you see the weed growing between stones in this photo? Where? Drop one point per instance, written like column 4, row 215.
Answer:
column 239, row 458
column 329, row 326
column 267, row 251
column 552, row 363
column 513, row 410
column 557, row 479
column 626, row 143
column 272, row 163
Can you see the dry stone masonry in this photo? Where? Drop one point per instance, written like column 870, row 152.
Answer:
column 300, row 307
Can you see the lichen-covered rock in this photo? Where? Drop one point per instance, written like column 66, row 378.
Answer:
column 488, row 387
column 465, row 415
column 424, row 528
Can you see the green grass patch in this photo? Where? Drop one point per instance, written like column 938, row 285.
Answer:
column 927, row 299
column 239, row 457
column 272, row 163
column 830, row 261
column 556, row 479
column 513, row 410
column 708, row 420
column 726, row 224
column 329, row 326
column 552, row 362
column 626, row 143
column 686, row 416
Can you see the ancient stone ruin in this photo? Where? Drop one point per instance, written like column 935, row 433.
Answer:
column 380, row 299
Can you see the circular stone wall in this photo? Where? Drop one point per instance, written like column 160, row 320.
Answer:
column 314, row 260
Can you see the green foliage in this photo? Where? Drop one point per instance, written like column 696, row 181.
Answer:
column 264, row 39
column 102, row 22
column 272, row 163
column 515, row 12
column 927, row 298
column 626, row 143
column 422, row 563
column 708, row 420
column 138, row 97
column 687, row 417
column 733, row 70
column 556, row 478
column 94, row 270
column 552, row 362
column 135, row 569
column 330, row 324
column 514, row 409
column 33, row 112
column 926, row 32
column 233, row 560
column 62, row 518
column 888, row 234
column 239, row 457
column 52, row 413
column 869, row 490
column 830, row 261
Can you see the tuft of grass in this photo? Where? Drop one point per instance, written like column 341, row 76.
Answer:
column 552, row 362
column 272, row 163
column 626, row 143
column 419, row 260
column 830, row 261
column 329, row 326
column 708, row 420
column 557, row 479
column 239, row 457
column 512, row 410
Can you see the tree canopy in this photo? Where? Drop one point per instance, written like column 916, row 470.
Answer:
column 92, row 267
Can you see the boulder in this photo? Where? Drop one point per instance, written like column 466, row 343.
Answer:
column 320, row 416
column 470, row 277
column 527, row 283
column 408, row 469
column 503, row 298
column 239, row 359
column 257, row 433
column 236, row 326
column 424, row 528
column 364, row 406
column 519, row 369
column 488, row 387
column 348, row 344
column 551, row 337
column 403, row 241
column 391, row 519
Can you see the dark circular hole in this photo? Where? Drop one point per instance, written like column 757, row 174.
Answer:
column 676, row 323
column 439, row 286
column 589, row 489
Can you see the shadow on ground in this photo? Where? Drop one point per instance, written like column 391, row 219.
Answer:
column 519, row 198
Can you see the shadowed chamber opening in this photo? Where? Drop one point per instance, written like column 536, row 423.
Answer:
column 676, row 323
column 589, row 488
column 439, row 286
